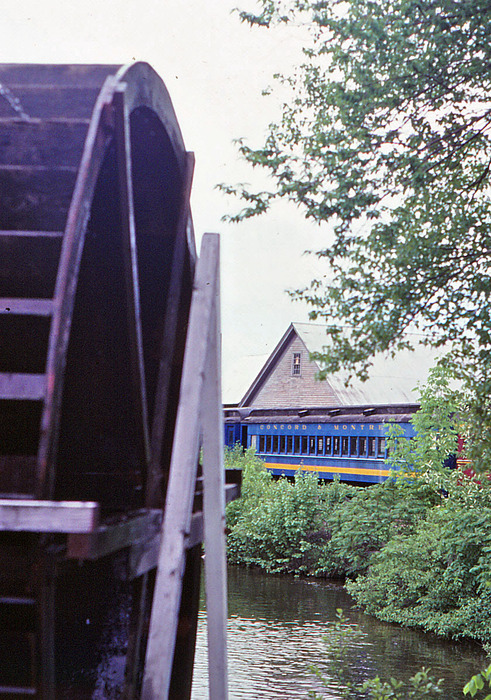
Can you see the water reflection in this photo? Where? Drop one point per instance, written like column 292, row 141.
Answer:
column 275, row 632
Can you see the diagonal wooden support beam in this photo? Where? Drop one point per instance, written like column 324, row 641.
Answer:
column 214, row 513
column 197, row 386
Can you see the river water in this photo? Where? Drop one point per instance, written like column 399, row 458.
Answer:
column 275, row 631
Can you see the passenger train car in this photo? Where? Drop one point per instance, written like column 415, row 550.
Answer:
column 350, row 442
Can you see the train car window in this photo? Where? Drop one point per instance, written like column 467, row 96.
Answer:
column 371, row 446
column 305, row 444
column 327, row 445
column 363, row 446
column 353, row 446
column 381, row 447
column 297, row 445
column 336, row 444
column 282, row 443
column 275, row 443
column 312, row 445
column 268, row 443
column 345, row 445
column 320, row 445
column 253, row 441
column 289, row 444
column 262, row 443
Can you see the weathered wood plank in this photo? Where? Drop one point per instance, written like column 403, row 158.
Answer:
column 14, row 75
column 154, row 495
column 17, row 690
column 26, row 307
column 214, row 511
column 57, row 142
column 182, row 666
column 19, row 515
column 96, row 143
column 43, row 102
column 141, row 534
column 29, row 387
column 30, row 234
column 108, row 538
column 35, row 198
column 144, row 555
column 123, row 146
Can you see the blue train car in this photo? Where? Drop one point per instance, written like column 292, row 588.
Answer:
column 350, row 443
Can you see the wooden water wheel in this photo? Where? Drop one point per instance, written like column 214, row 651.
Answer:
column 96, row 267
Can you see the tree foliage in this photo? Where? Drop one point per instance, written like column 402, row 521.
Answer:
column 441, row 418
column 387, row 135
column 454, row 419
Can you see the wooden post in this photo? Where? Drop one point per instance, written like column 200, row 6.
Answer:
column 199, row 413
column 214, row 515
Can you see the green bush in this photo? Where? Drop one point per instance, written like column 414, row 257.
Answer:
column 276, row 525
column 361, row 525
column 437, row 577
column 316, row 528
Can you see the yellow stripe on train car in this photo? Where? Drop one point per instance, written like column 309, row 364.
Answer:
column 328, row 470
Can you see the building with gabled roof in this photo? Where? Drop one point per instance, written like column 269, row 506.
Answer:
column 334, row 427
column 289, row 378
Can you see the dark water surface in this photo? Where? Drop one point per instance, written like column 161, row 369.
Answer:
column 275, row 631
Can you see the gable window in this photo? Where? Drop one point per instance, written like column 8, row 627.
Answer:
column 296, row 364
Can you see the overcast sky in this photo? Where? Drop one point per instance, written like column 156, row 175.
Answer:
column 215, row 69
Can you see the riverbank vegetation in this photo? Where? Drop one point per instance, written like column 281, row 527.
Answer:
column 412, row 550
column 408, row 553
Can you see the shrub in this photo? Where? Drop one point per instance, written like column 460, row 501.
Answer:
column 362, row 524
column 278, row 525
column 322, row 529
column 435, row 578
